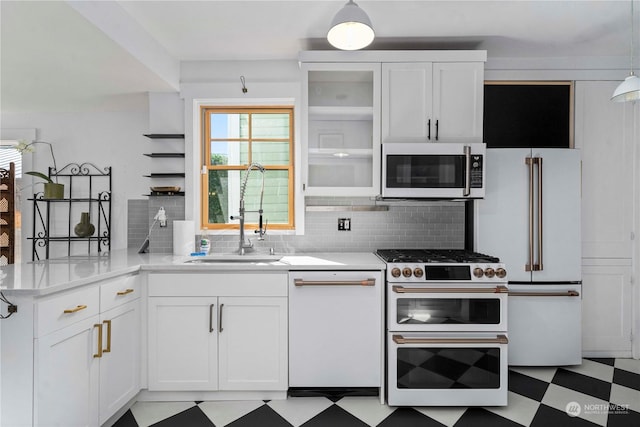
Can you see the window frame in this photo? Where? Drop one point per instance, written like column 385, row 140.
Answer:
column 205, row 150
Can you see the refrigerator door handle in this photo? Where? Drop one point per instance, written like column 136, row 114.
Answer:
column 535, row 223
column 538, row 266
column 529, row 162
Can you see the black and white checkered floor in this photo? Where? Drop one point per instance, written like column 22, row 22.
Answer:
column 600, row 392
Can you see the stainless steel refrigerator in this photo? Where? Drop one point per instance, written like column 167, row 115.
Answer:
column 530, row 219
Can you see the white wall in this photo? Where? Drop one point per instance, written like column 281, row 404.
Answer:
column 103, row 138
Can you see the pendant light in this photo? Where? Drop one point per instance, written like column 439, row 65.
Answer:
column 629, row 89
column 351, row 28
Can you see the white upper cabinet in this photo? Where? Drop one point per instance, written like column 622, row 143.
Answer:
column 432, row 101
column 604, row 133
column 354, row 101
column 341, row 128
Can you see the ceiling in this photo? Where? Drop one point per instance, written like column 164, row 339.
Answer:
column 105, row 55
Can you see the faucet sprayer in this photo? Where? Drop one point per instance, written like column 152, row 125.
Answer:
column 261, row 230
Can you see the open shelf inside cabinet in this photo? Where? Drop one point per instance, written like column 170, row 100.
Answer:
column 87, row 190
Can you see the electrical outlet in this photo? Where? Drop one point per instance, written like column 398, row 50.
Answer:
column 344, row 224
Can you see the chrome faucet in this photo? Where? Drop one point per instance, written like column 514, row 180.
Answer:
column 262, row 229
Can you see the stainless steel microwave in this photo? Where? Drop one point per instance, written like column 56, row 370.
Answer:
column 433, row 170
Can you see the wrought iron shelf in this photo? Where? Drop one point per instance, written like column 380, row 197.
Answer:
column 83, row 199
column 67, row 238
column 88, row 189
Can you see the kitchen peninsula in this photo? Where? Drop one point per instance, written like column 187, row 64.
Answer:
column 86, row 328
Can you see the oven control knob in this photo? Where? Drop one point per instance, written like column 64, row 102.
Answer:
column 489, row 272
column 406, row 272
column 501, row 273
column 395, row 272
column 418, row 272
column 478, row 272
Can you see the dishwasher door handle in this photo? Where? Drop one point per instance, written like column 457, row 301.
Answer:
column 365, row 282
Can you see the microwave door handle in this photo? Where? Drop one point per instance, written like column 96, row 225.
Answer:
column 467, row 172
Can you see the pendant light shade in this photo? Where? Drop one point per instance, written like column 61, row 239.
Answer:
column 629, row 89
column 351, row 28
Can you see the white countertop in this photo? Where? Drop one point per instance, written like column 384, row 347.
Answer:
column 49, row 276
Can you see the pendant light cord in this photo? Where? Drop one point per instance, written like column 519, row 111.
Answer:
column 632, row 28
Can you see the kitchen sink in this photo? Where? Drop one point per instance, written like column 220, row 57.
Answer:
column 233, row 259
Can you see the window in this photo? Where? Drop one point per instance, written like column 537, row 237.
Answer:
column 233, row 138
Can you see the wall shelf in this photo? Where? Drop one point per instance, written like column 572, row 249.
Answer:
column 165, row 175
column 165, row 155
column 164, row 135
column 172, row 152
column 88, row 188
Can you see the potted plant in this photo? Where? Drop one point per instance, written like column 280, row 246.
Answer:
column 52, row 189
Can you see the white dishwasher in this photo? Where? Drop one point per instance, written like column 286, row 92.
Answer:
column 335, row 329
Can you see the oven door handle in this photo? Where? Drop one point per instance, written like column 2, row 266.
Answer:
column 402, row 290
column 500, row 339
column 545, row 294
column 364, row 282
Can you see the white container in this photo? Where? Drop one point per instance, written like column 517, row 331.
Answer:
column 183, row 237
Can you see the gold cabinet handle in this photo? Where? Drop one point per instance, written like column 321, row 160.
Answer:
column 125, row 292
column 99, row 353
column 75, row 310
column 108, row 349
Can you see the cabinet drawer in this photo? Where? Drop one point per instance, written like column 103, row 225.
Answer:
column 65, row 309
column 256, row 284
column 119, row 291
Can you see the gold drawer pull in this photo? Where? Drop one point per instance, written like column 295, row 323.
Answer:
column 99, row 353
column 108, row 323
column 75, row 310
column 125, row 292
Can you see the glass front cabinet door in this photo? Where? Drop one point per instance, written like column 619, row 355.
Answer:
column 341, row 129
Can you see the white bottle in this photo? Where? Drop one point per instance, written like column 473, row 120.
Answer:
column 205, row 246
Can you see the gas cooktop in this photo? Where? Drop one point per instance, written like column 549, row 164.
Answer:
column 440, row 265
column 442, row 256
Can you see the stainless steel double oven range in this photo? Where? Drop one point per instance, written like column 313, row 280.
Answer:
column 446, row 328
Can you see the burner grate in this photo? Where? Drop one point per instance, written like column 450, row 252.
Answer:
column 443, row 256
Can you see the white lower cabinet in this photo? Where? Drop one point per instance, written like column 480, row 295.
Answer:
column 87, row 362
column 120, row 361
column 204, row 342
column 607, row 308
column 66, row 387
column 252, row 338
column 183, row 343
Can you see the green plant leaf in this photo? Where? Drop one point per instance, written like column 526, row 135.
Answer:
column 39, row 175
